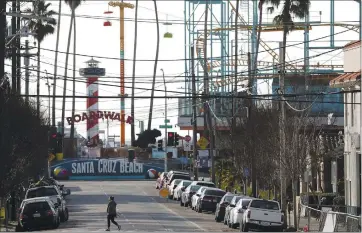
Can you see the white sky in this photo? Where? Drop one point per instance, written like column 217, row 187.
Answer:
column 95, row 39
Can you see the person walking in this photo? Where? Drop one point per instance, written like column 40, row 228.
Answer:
column 112, row 213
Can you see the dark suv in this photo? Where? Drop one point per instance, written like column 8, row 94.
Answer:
column 54, row 194
column 37, row 213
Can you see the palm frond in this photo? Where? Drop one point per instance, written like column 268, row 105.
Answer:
column 41, row 27
column 73, row 3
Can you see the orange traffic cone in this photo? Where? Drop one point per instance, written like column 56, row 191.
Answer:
column 305, row 228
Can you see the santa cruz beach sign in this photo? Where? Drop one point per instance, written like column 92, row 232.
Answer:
column 99, row 169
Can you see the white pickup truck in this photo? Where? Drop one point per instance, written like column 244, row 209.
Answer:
column 264, row 215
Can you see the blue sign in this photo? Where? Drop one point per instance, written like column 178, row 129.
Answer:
column 246, row 172
column 92, row 71
column 94, row 169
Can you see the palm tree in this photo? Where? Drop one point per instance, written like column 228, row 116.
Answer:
column 291, row 8
column 56, row 62
column 154, row 68
column 73, row 4
column 133, row 74
column 42, row 28
column 255, row 65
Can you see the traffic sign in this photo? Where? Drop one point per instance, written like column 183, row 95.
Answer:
column 165, row 126
column 167, row 121
column 203, row 142
column 163, row 192
column 187, row 138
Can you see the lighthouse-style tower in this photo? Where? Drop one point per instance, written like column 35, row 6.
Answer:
column 92, row 72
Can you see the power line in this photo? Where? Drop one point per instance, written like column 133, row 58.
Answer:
column 187, row 59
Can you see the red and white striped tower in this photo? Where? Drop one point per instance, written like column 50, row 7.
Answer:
column 92, row 73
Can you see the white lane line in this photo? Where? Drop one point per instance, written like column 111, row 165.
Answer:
column 173, row 212
column 119, row 214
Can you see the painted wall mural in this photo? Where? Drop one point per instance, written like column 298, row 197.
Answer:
column 100, row 169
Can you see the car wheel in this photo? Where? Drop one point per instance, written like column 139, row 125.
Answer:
column 65, row 215
column 18, row 228
column 181, row 203
column 199, row 210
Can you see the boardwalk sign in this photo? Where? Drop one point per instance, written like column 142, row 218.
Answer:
column 95, row 115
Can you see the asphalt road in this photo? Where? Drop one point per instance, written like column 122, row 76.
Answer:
column 139, row 207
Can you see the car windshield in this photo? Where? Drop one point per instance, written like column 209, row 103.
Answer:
column 177, row 181
column 37, row 206
column 206, row 184
column 194, row 188
column 42, row 192
column 245, row 202
column 237, row 199
column 228, row 198
column 186, row 183
column 215, row 192
column 263, row 204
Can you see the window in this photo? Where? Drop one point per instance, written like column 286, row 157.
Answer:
column 37, row 206
column 206, row 184
column 261, row 204
column 228, row 198
column 194, row 188
column 42, row 192
column 219, row 193
column 245, row 202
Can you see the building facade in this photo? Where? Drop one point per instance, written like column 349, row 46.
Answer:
column 350, row 81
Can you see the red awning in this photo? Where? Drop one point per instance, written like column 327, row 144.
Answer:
column 345, row 79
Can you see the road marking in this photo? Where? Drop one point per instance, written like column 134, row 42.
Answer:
column 171, row 211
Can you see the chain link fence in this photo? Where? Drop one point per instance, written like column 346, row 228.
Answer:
column 327, row 219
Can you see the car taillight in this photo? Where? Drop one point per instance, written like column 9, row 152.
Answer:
column 49, row 213
column 249, row 213
column 282, row 218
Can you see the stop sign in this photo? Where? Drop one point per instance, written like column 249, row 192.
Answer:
column 187, row 138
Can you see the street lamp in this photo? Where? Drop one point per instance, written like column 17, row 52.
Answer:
column 164, row 83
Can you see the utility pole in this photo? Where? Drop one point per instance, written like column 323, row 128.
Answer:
column 283, row 200
column 207, row 94
column 235, row 89
column 251, row 131
column 164, row 83
column 2, row 41
column 194, row 114
column 13, row 49
column 18, row 58
column 49, row 85
column 26, row 63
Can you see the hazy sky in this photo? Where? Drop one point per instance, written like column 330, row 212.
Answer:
column 95, row 39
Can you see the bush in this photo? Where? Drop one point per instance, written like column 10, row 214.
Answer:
column 23, row 143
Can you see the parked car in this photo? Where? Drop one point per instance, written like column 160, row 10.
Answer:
column 230, row 207
column 180, row 188
column 263, row 215
column 178, row 176
column 208, row 199
column 196, row 196
column 160, row 179
column 187, row 195
column 170, row 173
column 236, row 214
column 172, row 187
column 221, row 206
column 38, row 213
column 55, row 195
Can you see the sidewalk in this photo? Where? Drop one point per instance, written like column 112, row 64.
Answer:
column 303, row 221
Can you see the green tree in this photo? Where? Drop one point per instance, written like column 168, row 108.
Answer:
column 154, row 68
column 41, row 28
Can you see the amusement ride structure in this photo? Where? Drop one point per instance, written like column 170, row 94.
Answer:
column 220, row 46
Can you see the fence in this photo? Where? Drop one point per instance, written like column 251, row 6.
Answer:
column 327, row 219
